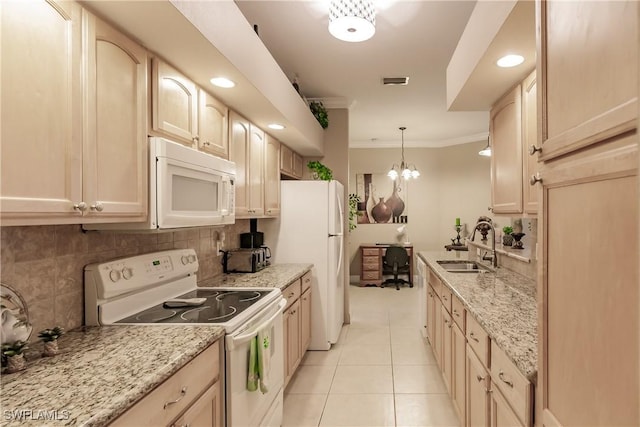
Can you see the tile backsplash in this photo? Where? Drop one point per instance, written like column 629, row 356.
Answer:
column 45, row 263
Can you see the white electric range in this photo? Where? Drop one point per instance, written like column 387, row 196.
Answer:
column 161, row 289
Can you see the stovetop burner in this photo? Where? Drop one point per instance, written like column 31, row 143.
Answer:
column 221, row 306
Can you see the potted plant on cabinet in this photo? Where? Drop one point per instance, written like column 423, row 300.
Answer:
column 507, row 238
column 14, row 355
column 320, row 113
column 354, row 199
column 50, row 339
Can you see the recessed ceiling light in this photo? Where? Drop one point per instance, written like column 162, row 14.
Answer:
column 510, row 61
column 276, row 126
column 222, row 82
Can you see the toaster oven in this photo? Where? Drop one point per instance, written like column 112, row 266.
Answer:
column 244, row 260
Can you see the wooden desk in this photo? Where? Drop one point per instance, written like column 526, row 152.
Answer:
column 371, row 264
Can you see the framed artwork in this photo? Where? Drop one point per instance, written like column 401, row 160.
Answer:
column 382, row 200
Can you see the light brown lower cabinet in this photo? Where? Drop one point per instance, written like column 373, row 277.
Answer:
column 501, row 413
column 458, row 381
column 478, row 383
column 446, row 355
column 297, row 323
column 190, row 396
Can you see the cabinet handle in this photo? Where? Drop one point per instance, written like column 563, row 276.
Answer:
column 206, row 143
column 480, row 378
column 292, row 312
column 304, row 299
column 533, row 150
column 444, row 297
column 82, row 206
column 507, row 382
column 291, row 294
column 490, row 209
column 534, row 179
column 455, row 313
column 449, row 325
column 183, row 393
column 196, row 138
column 473, row 337
column 97, row 206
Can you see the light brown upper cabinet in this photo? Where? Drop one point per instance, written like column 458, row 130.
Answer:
column 246, row 149
column 213, row 118
column 72, row 149
column 529, row 143
column 272, row 177
column 290, row 162
column 175, row 104
column 588, row 284
column 505, row 129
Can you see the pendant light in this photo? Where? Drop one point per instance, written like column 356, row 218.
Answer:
column 352, row 20
column 486, row 151
column 406, row 170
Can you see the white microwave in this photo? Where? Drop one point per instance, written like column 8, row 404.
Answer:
column 187, row 188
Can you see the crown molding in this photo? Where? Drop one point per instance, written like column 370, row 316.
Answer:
column 334, row 103
column 482, row 136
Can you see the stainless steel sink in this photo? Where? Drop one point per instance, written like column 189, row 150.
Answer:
column 459, row 266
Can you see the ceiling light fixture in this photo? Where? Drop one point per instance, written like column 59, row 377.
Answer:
column 352, row 20
column 486, row 151
column 275, row 126
column 508, row 61
column 406, row 170
column 222, row 82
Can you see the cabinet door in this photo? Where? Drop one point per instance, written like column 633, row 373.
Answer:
column 286, row 160
column 213, row 133
column 255, row 171
column 204, row 412
column 431, row 317
column 238, row 153
column 529, row 139
column 506, row 153
column 437, row 338
column 477, row 392
column 41, row 112
column 501, row 413
column 115, row 145
column 297, row 165
column 590, row 94
column 445, row 363
column 272, row 177
column 458, row 381
column 305, row 321
column 292, row 338
column 175, row 104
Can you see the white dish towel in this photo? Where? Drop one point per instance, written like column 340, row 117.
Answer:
column 264, row 358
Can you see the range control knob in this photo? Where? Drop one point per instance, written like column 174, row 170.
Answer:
column 114, row 275
column 184, row 259
column 127, row 273
column 192, row 259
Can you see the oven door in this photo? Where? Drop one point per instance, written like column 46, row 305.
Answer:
column 188, row 195
column 251, row 408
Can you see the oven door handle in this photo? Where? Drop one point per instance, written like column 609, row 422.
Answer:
column 234, row 341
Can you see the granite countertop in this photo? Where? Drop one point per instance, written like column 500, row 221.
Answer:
column 274, row 276
column 504, row 303
column 99, row 373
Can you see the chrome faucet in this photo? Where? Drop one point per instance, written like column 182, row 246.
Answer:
column 494, row 261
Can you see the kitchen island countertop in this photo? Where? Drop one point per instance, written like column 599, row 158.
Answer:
column 504, row 303
column 274, row 276
column 99, row 373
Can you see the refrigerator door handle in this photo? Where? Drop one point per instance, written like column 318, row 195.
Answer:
column 339, row 201
column 339, row 260
column 335, row 235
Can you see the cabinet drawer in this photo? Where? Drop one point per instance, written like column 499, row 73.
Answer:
column 371, row 252
column 458, row 313
column 371, row 260
column 182, row 388
column 292, row 292
column 370, row 267
column 434, row 281
column 478, row 340
column 515, row 388
column 306, row 281
column 445, row 298
column 370, row 275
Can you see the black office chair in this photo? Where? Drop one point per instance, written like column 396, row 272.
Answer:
column 396, row 262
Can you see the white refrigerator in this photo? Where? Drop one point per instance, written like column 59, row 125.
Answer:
column 311, row 230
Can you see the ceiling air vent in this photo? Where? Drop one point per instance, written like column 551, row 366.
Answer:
column 395, row 80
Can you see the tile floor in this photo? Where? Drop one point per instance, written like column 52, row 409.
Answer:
column 380, row 373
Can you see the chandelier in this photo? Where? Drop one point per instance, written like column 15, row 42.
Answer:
column 406, row 170
column 352, row 20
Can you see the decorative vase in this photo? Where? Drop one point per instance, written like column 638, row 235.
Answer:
column 50, row 348
column 15, row 363
column 507, row 240
column 315, row 176
column 370, row 204
column 381, row 212
column 518, row 244
column 394, row 202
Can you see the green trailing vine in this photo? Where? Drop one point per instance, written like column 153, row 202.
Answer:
column 320, row 113
column 354, row 199
column 320, row 170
